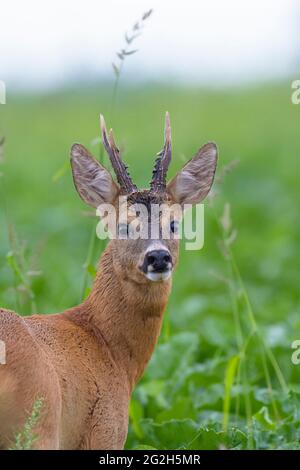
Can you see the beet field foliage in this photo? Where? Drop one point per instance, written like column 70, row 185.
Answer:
column 222, row 375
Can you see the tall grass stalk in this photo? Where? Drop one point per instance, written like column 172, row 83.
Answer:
column 125, row 51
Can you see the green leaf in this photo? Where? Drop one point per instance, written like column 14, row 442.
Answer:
column 172, row 356
column 263, row 417
column 91, row 270
column 173, row 434
column 87, row 292
column 209, row 438
column 229, row 381
column 181, row 408
column 136, row 413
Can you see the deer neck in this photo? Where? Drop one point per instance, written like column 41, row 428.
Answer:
column 128, row 316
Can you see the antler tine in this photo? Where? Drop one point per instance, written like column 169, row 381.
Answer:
column 104, row 134
column 162, row 163
column 118, row 165
column 167, row 128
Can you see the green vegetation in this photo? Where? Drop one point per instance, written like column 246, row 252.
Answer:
column 221, row 376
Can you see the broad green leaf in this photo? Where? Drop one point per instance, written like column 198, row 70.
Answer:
column 173, row 434
column 171, row 357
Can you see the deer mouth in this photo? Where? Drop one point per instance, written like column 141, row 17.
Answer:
column 159, row 276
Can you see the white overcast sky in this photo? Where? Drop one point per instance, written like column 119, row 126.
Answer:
column 46, row 43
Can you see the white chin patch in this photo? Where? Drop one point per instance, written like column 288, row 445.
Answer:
column 157, row 277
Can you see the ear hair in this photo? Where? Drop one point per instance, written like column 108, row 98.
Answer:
column 93, row 182
column 192, row 184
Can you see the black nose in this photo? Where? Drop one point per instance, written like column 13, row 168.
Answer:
column 158, row 260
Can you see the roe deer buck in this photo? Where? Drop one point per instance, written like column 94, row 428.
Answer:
column 85, row 361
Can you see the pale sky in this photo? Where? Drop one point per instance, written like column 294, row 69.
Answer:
column 46, row 43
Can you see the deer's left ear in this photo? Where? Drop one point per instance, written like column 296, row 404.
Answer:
column 93, row 182
column 192, row 184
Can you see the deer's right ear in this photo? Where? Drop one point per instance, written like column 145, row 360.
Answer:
column 93, row 182
column 192, row 184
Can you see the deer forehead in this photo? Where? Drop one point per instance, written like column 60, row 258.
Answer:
column 142, row 204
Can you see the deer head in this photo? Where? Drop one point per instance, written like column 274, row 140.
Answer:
column 138, row 259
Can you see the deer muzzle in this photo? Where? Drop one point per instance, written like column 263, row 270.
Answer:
column 157, row 265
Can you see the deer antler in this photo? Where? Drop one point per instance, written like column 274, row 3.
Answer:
column 118, row 165
column 158, row 183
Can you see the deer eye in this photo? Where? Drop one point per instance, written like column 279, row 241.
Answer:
column 174, row 226
column 123, row 230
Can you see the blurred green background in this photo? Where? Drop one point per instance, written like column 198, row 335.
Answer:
column 217, row 379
